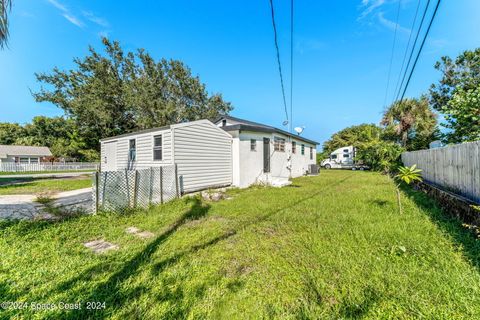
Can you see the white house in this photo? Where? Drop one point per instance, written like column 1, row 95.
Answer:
column 230, row 151
column 262, row 153
column 23, row 154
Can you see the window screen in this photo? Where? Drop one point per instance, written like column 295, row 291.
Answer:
column 253, row 145
column 279, row 144
column 157, row 147
column 132, row 150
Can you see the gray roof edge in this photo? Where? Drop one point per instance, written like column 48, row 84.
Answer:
column 266, row 129
column 19, row 150
column 135, row 133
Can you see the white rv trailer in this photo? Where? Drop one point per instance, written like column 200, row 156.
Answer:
column 343, row 158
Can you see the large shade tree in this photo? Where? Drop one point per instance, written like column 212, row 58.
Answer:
column 411, row 122
column 5, row 6
column 353, row 135
column 116, row 92
column 457, row 96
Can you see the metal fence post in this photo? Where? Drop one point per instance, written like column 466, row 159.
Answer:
column 104, row 186
column 127, row 186
column 135, row 191
column 151, row 187
column 176, row 180
column 161, row 185
column 96, row 192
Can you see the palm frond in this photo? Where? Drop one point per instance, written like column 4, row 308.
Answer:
column 5, row 7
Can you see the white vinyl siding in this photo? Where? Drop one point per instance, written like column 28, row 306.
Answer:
column 203, row 154
column 144, row 152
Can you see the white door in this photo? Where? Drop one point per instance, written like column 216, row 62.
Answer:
column 110, row 156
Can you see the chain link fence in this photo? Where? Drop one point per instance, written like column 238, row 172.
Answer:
column 119, row 190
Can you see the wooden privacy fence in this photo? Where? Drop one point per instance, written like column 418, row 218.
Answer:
column 453, row 168
column 48, row 166
column 120, row 190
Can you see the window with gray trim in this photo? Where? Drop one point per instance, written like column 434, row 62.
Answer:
column 132, row 150
column 279, row 144
column 157, row 148
column 294, row 147
column 253, row 145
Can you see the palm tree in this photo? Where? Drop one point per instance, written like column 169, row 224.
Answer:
column 5, row 6
column 410, row 117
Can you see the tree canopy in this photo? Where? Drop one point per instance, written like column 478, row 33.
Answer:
column 118, row 92
column 373, row 147
column 457, row 95
column 59, row 134
column 354, row 135
column 410, row 122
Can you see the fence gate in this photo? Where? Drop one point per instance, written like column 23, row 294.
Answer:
column 119, row 190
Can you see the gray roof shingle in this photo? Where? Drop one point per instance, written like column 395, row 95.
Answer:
column 10, row 150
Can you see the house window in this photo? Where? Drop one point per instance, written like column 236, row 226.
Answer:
column 224, row 122
column 132, row 150
column 346, row 156
column 253, row 145
column 294, row 147
column 303, row 149
column 157, row 147
column 345, row 150
column 279, row 144
column 34, row 160
column 311, row 153
column 23, row 160
column 333, row 156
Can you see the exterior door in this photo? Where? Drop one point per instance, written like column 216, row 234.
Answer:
column 266, row 155
column 110, row 156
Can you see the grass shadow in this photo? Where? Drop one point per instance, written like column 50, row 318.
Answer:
column 110, row 290
column 447, row 223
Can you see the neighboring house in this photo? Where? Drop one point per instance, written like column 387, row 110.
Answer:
column 230, row 152
column 263, row 153
column 23, row 154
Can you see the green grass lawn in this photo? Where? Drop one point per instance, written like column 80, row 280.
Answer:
column 10, row 186
column 9, row 173
column 332, row 246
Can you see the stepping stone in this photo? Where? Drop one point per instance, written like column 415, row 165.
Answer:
column 139, row 233
column 100, row 246
column 144, row 234
column 132, row 230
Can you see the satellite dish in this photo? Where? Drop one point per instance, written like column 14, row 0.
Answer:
column 285, row 122
column 299, row 130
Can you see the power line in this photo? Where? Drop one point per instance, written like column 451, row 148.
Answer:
column 278, row 58
column 420, row 50
column 406, row 51
column 291, row 65
column 413, row 50
column 391, row 56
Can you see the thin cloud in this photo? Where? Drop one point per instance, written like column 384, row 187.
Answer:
column 73, row 20
column 392, row 25
column 66, row 13
column 96, row 19
column 58, row 5
column 369, row 6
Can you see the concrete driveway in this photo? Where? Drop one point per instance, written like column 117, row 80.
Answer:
column 46, row 175
column 25, row 207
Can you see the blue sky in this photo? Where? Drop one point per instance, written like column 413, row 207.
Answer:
column 342, row 51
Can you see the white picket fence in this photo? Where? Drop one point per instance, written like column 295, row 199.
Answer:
column 455, row 168
column 48, row 166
